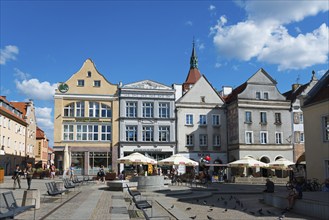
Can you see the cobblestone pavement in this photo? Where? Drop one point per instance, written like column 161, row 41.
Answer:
column 95, row 201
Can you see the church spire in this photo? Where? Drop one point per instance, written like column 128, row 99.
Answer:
column 194, row 58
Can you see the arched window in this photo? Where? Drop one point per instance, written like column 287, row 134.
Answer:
column 69, row 110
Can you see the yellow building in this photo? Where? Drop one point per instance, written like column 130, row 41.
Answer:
column 316, row 126
column 86, row 122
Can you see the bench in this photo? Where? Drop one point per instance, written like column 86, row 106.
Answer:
column 13, row 208
column 68, row 184
column 52, row 190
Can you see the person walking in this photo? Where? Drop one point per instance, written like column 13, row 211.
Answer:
column 29, row 174
column 71, row 171
column 52, row 171
column 101, row 174
column 16, row 177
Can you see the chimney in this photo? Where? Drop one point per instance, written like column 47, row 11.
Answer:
column 226, row 90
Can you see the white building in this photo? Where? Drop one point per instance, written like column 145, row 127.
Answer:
column 147, row 120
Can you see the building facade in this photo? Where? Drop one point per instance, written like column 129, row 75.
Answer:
column 316, row 126
column 258, row 121
column 28, row 111
column 12, row 136
column 41, row 149
column 295, row 96
column 86, row 113
column 201, row 123
column 147, row 120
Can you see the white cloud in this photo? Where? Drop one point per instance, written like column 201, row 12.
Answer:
column 4, row 91
column 45, row 121
column 218, row 65
column 8, row 53
column 212, row 7
column 189, row 23
column 263, row 35
column 298, row 30
column 33, row 89
column 21, row 75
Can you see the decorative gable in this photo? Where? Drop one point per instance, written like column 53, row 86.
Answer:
column 201, row 92
column 261, row 77
column 146, row 84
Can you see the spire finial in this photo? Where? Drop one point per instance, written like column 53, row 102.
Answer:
column 313, row 76
column 194, row 58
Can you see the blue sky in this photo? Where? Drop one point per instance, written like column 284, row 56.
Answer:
column 45, row 42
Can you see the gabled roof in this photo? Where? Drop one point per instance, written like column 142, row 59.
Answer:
column 193, row 76
column 233, row 96
column 22, row 106
column 9, row 113
column 40, row 134
column 146, row 84
column 320, row 92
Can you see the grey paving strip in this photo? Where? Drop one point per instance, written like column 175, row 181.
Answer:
column 56, row 208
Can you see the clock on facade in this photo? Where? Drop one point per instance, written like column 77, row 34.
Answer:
column 63, row 87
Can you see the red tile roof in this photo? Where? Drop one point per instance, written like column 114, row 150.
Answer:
column 22, row 106
column 8, row 113
column 40, row 134
column 233, row 96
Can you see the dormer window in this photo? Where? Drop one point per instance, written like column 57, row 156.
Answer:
column 89, row 74
column 81, row 82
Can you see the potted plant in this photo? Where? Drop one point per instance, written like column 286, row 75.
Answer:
column 2, row 174
column 110, row 175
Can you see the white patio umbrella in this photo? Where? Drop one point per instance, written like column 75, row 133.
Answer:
column 136, row 158
column 247, row 162
column 178, row 159
column 280, row 164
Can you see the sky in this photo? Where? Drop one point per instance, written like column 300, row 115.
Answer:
column 46, row 42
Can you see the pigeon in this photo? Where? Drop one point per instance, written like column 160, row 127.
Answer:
column 193, row 217
column 222, row 198
column 241, row 204
column 231, row 197
column 218, row 199
column 210, row 218
column 172, row 206
column 188, row 208
column 204, row 202
column 210, row 210
column 260, row 211
column 225, row 210
column 269, row 212
column 197, row 200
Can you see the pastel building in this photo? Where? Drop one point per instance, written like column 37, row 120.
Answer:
column 86, row 121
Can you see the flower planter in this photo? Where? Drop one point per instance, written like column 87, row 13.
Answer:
column 110, row 176
column 2, row 175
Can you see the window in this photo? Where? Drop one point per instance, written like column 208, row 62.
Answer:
column 131, row 109
column 249, row 137
column 81, row 82
column 302, row 137
column 97, row 83
column 203, row 140
column 263, row 118
column 263, row 137
column 131, row 133
column 189, row 140
column 8, row 142
column 164, row 133
column 189, row 119
column 257, row 95
column 215, row 120
column 203, row 119
column 9, row 123
column 80, row 109
column 296, row 118
column 301, row 118
column 278, row 137
column 68, row 133
column 106, row 111
column 216, row 140
column 89, row 74
column 265, row 95
column 277, row 118
column 325, row 128
column 147, row 109
column 248, row 117
column 106, row 133
column 147, row 133
column 87, row 132
column 93, row 109
column 163, row 110
column 69, row 110
column 297, row 136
